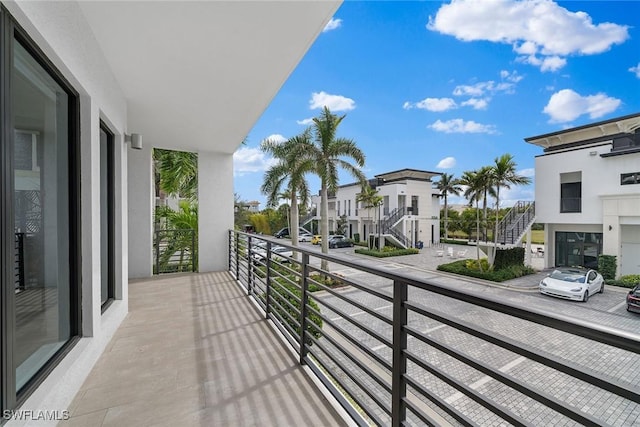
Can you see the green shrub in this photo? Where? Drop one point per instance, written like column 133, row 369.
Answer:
column 508, row 257
column 356, row 237
column 511, row 272
column 472, row 264
column 607, row 266
column 280, row 296
column 387, row 253
column 455, row 242
column 630, row 280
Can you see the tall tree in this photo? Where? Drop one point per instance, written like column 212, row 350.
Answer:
column 329, row 153
column 473, row 181
column 288, row 176
column 176, row 173
column 447, row 185
column 371, row 199
column 504, row 175
column 484, row 178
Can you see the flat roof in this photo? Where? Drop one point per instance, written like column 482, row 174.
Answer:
column 598, row 130
column 415, row 174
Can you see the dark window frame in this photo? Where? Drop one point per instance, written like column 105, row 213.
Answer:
column 565, row 201
column 630, row 178
column 10, row 398
column 110, row 216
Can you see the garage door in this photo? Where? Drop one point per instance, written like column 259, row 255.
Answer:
column 630, row 256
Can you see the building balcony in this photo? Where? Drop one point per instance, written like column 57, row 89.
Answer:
column 241, row 347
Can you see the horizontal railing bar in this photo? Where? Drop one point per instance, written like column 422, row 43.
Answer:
column 509, row 381
column 358, row 343
column 366, row 389
column 333, row 292
column 522, row 349
column 285, row 330
column 354, row 359
column 467, row 391
column 435, row 399
column 365, row 309
column 327, row 382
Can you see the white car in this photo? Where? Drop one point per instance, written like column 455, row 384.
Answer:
column 572, row 283
column 278, row 253
column 305, row 237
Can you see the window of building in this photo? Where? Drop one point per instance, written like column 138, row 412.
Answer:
column 630, row 178
column 571, row 192
column 578, row 249
column 107, row 219
column 39, row 166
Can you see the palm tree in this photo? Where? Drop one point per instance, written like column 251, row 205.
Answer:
column 447, row 185
column 503, row 174
column 330, row 153
column 288, row 174
column 484, row 177
column 177, row 234
column 474, row 183
column 176, row 173
column 371, row 199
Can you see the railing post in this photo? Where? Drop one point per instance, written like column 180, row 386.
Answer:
column 399, row 366
column 237, row 256
column 304, row 299
column 268, row 280
column 193, row 251
column 249, row 267
column 157, row 235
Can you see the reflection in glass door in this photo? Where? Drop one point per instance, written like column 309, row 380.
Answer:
column 42, row 312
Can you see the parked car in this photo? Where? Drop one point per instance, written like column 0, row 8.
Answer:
column 278, row 253
column 633, row 299
column 340, row 242
column 316, row 239
column 305, row 237
column 572, row 283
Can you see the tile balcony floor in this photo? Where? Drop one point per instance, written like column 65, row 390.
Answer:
column 193, row 351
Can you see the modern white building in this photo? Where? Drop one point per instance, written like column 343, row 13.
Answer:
column 78, row 79
column 410, row 211
column 588, row 193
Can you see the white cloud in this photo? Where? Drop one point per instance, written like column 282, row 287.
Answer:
column 332, row 25
column 432, row 104
column 567, row 105
column 460, row 126
column 247, row 160
column 446, row 163
column 489, row 87
column 305, row 121
column 536, row 28
column 530, row 172
column 636, row 70
column 276, row 137
column 477, row 103
column 333, row 102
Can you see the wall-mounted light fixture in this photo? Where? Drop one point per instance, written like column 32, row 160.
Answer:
column 610, row 228
column 135, row 139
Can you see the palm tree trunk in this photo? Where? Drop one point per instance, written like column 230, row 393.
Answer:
column 295, row 220
column 484, row 215
column 446, row 218
column 324, row 224
column 495, row 233
column 478, row 235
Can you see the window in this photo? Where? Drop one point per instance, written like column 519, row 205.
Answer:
column 571, row 192
column 106, row 216
column 630, row 178
column 39, row 169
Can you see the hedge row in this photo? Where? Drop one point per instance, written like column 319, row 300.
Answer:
column 385, row 254
column 508, row 257
column 507, row 273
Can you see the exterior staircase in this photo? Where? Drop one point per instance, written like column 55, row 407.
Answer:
column 516, row 222
column 389, row 222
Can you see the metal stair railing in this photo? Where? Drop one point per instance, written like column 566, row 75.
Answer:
column 387, row 225
column 513, row 226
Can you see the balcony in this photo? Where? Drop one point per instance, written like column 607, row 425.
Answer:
column 205, row 349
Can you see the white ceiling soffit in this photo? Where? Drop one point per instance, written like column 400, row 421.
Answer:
column 198, row 75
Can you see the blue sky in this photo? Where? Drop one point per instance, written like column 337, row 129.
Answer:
column 450, row 86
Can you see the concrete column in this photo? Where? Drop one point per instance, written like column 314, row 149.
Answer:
column 141, row 195
column 527, row 249
column 215, row 210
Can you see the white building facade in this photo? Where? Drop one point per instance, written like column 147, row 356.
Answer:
column 76, row 218
column 588, row 193
column 410, row 212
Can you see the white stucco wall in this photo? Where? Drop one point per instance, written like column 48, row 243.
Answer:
column 59, row 29
column 215, row 210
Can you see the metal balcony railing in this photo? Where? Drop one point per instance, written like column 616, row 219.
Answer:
column 396, row 350
column 175, row 251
